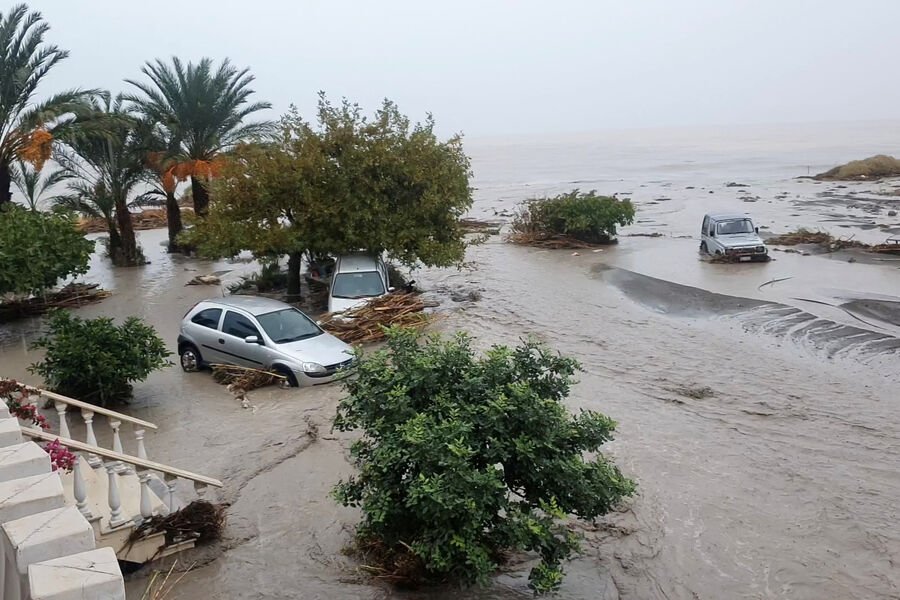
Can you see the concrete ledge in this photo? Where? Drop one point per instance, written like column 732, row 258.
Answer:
column 93, row 575
column 47, row 535
column 30, row 495
column 4, row 411
column 10, row 433
column 23, row 460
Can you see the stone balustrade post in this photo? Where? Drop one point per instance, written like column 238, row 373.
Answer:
column 63, row 422
column 90, row 437
column 117, row 445
column 115, row 502
column 80, row 489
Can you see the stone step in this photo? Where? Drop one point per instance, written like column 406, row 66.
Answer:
column 23, row 460
column 30, row 495
column 40, row 537
column 94, row 574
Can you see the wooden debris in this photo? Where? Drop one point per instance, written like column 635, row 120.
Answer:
column 200, row 520
column 241, row 380
column 204, row 280
column 366, row 323
column 73, row 295
column 551, row 242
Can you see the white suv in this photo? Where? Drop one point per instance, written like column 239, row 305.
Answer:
column 732, row 236
column 357, row 279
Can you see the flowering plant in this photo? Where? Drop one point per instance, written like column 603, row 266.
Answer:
column 60, row 457
column 17, row 396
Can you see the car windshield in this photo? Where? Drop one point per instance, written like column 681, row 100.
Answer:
column 365, row 284
column 736, row 226
column 288, row 325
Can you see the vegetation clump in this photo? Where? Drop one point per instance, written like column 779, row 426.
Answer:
column 95, row 360
column 38, row 249
column 466, row 458
column 571, row 220
column 874, row 167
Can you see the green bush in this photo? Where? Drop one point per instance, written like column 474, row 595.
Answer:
column 38, row 249
column 585, row 217
column 465, row 458
column 94, row 360
column 874, row 167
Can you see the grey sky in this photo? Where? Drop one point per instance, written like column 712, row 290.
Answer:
column 492, row 67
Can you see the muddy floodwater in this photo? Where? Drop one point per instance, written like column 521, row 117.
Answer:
column 758, row 405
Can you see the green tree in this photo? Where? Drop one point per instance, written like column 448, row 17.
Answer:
column 95, row 360
column 107, row 169
column 34, row 186
column 202, row 110
column 351, row 182
column 38, row 249
column 464, row 458
column 28, row 128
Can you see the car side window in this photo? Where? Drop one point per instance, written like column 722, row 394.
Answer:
column 208, row 318
column 712, row 228
column 238, row 325
column 705, row 227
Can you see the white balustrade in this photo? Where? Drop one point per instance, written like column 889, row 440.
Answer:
column 117, row 445
column 171, row 481
column 80, row 489
column 146, row 505
column 115, row 502
column 141, row 449
column 63, row 422
column 90, row 437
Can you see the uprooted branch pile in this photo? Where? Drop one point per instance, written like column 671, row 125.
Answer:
column 243, row 379
column 831, row 243
column 70, row 296
column 366, row 323
column 200, row 520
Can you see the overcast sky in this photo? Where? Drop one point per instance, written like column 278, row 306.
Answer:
column 489, row 67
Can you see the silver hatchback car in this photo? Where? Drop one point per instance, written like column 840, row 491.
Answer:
column 261, row 333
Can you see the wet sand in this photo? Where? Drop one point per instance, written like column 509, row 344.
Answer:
column 781, row 483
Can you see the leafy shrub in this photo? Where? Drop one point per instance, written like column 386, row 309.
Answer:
column 95, row 360
column 466, row 458
column 38, row 249
column 585, row 217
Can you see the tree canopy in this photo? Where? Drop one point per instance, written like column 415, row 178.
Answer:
column 348, row 183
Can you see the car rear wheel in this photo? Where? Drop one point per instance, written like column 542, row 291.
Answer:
column 190, row 358
column 703, row 247
column 288, row 375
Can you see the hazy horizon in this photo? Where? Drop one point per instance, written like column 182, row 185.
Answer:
column 496, row 68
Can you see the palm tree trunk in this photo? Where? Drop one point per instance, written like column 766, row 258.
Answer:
column 173, row 219
column 128, row 256
column 201, row 196
column 295, row 260
column 5, row 184
column 115, row 241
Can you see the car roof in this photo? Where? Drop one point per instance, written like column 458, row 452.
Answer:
column 350, row 263
column 255, row 305
column 726, row 216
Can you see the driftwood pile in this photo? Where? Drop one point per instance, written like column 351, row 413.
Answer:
column 70, row 296
column 367, row 323
column 831, row 243
column 151, row 218
column 200, row 520
column 241, row 380
column 551, row 242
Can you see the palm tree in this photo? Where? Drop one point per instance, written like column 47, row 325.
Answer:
column 33, row 185
column 108, row 167
column 161, row 177
column 203, row 109
column 27, row 129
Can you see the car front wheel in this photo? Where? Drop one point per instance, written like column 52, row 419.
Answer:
column 190, row 358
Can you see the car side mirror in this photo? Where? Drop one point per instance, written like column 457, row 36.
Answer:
column 757, row 230
column 252, row 339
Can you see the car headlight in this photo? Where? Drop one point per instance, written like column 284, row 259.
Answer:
column 311, row 367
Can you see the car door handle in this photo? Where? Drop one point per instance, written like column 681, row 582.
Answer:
column 221, row 341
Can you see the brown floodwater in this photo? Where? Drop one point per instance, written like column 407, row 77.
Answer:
column 780, row 482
